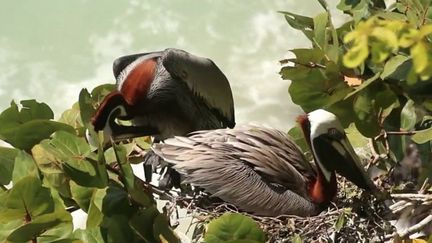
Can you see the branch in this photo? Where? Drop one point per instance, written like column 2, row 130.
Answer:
column 150, row 187
column 402, row 133
column 417, row 227
column 309, row 65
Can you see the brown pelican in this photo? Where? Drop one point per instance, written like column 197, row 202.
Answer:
column 262, row 171
column 164, row 94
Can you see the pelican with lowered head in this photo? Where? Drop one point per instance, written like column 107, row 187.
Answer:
column 165, row 94
column 261, row 170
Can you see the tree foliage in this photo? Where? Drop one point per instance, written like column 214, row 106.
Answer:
column 374, row 72
column 52, row 170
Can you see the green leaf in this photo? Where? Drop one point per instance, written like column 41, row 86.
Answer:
column 340, row 222
column 297, row 136
column 346, row 5
column 82, row 195
column 51, row 168
column 367, row 120
column 86, row 106
column 298, row 22
column 34, row 228
column 162, row 230
column 95, row 215
column 28, row 196
column 134, row 188
column 422, row 136
column 320, row 27
column 24, row 166
column 72, row 117
column 356, row 139
column 76, row 158
column 408, row 116
column 234, row 226
column 8, row 226
column 26, row 135
column 117, row 229
column 88, row 235
column 296, row 238
column 307, row 56
column 317, row 91
column 142, row 223
column 7, row 158
column 396, row 67
column 363, row 85
column 28, row 126
column 152, row 226
column 99, row 92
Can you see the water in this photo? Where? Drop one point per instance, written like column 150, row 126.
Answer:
column 49, row 50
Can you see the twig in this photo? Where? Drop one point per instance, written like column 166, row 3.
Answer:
column 401, row 133
column 152, row 188
column 417, row 227
column 309, row 65
column 412, row 196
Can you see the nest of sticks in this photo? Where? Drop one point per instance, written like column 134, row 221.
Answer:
column 355, row 216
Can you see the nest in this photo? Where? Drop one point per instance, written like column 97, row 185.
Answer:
column 355, row 216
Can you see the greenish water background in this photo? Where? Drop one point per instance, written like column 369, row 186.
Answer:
column 49, row 50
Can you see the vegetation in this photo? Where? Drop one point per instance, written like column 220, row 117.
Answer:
column 374, row 72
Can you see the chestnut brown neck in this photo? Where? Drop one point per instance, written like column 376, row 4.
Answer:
column 322, row 191
column 138, row 81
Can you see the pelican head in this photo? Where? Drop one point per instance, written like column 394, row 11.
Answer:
column 331, row 149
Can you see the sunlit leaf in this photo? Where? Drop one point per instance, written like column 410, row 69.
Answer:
column 24, row 166
column 25, row 127
column 303, row 23
column 30, row 197
column 340, row 222
column 320, row 27
column 35, row 228
column 422, row 136
column 307, row 56
column 356, row 55
column 408, row 37
column 7, row 158
column 419, row 53
column 408, row 116
column 95, row 214
column 86, row 106
column 77, row 160
column 88, row 235
column 135, row 189
column 51, row 168
column 396, row 67
column 82, row 195
column 234, row 226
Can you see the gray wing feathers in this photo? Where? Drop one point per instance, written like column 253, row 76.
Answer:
column 232, row 164
column 203, row 77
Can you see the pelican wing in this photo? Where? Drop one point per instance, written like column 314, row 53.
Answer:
column 204, row 78
column 258, row 169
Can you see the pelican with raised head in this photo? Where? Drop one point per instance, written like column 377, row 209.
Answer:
column 261, row 170
column 165, row 94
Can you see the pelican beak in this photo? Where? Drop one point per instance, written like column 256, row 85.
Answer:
column 334, row 152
